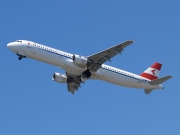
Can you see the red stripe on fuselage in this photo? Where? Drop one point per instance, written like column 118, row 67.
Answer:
column 148, row 76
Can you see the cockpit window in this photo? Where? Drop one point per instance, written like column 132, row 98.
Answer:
column 19, row 41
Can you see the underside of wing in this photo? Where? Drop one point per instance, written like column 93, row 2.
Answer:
column 74, row 83
column 96, row 60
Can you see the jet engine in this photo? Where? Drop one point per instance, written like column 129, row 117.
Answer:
column 85, row 75
column 59, row 78
column 80, row 60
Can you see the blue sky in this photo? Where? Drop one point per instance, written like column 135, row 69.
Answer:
column 32, row 104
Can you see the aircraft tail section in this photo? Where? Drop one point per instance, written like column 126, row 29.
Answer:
column 152, row 72
column 157, row 82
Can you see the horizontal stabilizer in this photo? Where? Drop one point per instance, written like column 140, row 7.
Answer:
column 160, row 80
column 148, row 91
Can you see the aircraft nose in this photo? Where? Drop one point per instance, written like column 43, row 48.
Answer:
column 9, row 45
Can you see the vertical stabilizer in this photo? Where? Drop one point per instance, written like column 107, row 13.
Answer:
column 152, row 72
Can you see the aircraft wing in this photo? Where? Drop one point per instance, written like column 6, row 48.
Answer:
column 74, row 83
column 96, row 60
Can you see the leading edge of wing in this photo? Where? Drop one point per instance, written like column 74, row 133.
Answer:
column 124, row 44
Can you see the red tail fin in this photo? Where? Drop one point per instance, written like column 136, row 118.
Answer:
column 152, row 72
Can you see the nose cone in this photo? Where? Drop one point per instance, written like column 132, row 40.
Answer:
column 11, row 46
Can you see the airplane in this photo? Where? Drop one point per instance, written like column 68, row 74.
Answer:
column 81, row 68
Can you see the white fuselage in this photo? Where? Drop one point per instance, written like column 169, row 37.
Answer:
column 64, row 60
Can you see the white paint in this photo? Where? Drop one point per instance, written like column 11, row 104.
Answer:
column 150, row 71
column 64, row 60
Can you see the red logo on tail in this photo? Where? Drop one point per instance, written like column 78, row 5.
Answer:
column 153, row 71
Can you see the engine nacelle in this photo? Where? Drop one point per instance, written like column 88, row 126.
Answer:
column 80, row 60
column 59, row 78
column 85, row 75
